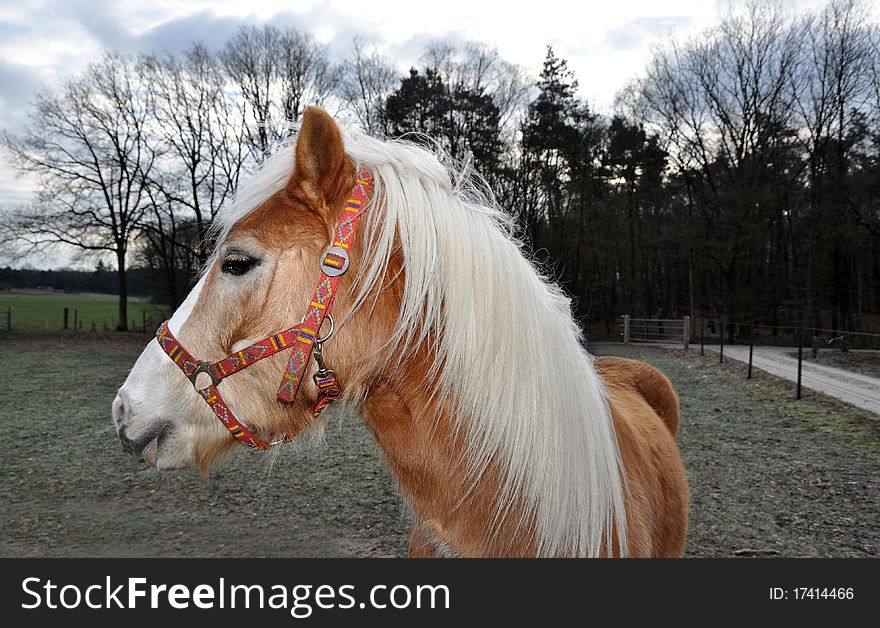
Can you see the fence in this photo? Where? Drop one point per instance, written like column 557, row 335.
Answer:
column 815, row 338
column 721, row 332
column 656, row 330
column 716, row 330
column 71, row 319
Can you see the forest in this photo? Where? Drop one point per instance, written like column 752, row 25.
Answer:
column 738, row 176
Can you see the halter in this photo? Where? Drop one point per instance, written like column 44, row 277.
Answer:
column 302, row 338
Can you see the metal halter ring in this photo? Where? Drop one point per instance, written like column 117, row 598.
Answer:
column 318, row 338
column 204, row 367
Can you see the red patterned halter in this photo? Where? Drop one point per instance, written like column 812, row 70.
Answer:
column 302, row 338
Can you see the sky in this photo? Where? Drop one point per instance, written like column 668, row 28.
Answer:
column 606, row 44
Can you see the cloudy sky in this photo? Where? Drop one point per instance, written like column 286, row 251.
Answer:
column 606, row 43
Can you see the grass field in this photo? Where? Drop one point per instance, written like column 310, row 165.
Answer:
column 36, row 310
column 768, row 475
column 69, row 490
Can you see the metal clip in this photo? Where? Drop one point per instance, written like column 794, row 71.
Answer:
column 204, row 367
column 323, row 371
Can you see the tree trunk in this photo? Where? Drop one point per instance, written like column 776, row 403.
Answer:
column 122, row 324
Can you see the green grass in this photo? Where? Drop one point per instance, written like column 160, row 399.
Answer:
column 44, row 311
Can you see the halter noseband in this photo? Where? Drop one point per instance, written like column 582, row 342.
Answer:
column 302, row 338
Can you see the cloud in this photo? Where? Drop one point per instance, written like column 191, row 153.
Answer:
column 17, row 84
column 179, row 34
column 638, row 31
column 410, row 51
column 45, row 42
column 175, row 35
column 99, row 18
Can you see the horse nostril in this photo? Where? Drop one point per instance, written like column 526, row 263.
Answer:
column 120, row 409
column 126, row 443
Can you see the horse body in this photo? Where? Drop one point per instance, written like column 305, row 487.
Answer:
column 464, row 362
column 452, row 516
column 645, row 411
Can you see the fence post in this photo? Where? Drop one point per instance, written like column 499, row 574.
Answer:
column 626, row 329
column 687, row 332
column 702, row 334
column 751, row 348
column 800, row 358
column 9, row 318
column 66, row 313
column 814, row 349
column 721, row 355
column 75, row 319
column 144, row 321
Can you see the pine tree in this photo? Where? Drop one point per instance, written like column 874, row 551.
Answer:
column 464, row 121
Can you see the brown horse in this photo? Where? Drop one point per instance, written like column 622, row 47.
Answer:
column 505, row 436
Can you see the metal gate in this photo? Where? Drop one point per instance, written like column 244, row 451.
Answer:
column 657, row 330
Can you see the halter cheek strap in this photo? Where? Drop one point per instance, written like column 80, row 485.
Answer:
column 302, row 338
column 334, row 263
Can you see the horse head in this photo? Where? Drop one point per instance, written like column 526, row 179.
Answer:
column 260, row 280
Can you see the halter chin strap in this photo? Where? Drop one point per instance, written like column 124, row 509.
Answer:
column 302, row 338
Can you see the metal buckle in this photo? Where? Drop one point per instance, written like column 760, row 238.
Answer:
column 204, row 367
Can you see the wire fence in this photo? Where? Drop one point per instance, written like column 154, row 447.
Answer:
column 719, row 332
column 812, row 336
column 75, row 320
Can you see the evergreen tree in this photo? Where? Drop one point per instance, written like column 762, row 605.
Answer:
column 559, row 173
column 464, row 121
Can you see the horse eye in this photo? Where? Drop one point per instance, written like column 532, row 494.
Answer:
column 237, row 264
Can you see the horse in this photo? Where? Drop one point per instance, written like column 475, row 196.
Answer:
column 505, row 436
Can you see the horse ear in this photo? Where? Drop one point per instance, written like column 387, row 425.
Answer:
column 322, row 171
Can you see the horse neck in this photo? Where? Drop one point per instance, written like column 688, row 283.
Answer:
column 427, row 456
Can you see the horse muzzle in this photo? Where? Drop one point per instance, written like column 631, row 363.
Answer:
column 144, row 447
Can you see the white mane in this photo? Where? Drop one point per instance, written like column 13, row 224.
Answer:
column 509, row 362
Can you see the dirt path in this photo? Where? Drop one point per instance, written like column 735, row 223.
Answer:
column 860, row 390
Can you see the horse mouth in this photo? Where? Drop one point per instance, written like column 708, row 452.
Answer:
column 151, row 453
column 145, row 448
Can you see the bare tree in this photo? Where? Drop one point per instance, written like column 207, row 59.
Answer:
column 477, row 67
column 87, row 143
column 832, row 100
column 366, row 80
column 305, row 73
column 250, row 60
column 200, row 127
column 278, row 73
column 723, row 105
column 724, row 94
column 868, row 214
